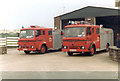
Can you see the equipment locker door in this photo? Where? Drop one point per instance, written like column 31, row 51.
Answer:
column 57, row 39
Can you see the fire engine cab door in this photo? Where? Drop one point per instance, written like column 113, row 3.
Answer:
column 38, row 38
column 97, row 41
column 50, row 39
column 89, row 34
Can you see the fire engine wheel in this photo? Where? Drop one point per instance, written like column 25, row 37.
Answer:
column 27, row 52
column 92, row 51
column 70, row 53
column 43, row 49
column 107, row 48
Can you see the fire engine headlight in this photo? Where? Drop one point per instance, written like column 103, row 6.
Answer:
column 82, row 47
column 32, row 47
column 65, row 47
column 19, row 46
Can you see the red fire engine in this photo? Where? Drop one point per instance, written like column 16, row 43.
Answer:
column 86, row 38
column 39, row 39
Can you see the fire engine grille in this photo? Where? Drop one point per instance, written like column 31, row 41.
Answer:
column 25, row 47
column 73, row 47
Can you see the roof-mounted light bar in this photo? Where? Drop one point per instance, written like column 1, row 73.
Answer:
column 32, row 26
column 77, row 22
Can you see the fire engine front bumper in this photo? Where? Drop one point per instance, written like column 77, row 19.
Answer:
column 26, row 49
column 75, row 50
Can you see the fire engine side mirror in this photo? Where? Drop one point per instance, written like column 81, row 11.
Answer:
column 62, row 33
column 37, row 35
column 38, row 32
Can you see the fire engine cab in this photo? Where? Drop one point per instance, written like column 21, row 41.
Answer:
column 86, row 38
column 39, row 39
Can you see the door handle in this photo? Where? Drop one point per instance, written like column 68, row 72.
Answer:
column 87, row 38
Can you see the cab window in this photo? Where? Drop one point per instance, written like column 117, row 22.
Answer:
column 49, row 32
column 88, row 31
column 97, row 31
column 92, row 30
column 38, row 32
column 43, row 32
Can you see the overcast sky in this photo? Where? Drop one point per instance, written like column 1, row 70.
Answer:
column 17, row 13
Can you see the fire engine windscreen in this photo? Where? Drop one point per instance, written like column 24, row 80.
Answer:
column 27, row 33
column 75, row 32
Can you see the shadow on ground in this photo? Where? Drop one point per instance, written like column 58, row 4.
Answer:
column 87, row 54
column 75, row 54
column 38, row 53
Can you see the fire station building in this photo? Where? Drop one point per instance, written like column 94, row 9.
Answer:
column 108, row 17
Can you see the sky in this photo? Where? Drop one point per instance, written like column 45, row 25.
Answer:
column 17, row 13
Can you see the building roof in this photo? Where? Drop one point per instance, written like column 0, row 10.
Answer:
column 36, row 28
column 90, row 11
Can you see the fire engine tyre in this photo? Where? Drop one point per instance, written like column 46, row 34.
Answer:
column 92, row 51
column 43, row 49
column 70, row 53
column 107, row 48
column 27, row 52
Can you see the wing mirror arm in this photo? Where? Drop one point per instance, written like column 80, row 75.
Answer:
column 62, row 33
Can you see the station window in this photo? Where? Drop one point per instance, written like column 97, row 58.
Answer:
column 88, row 31
column 92, row 30
column 97, row 31
column 43, row 32
column 38, row 32
column 49, row 32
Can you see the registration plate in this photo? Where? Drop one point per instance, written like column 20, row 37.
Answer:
column 24, row 49
column 72, row 49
